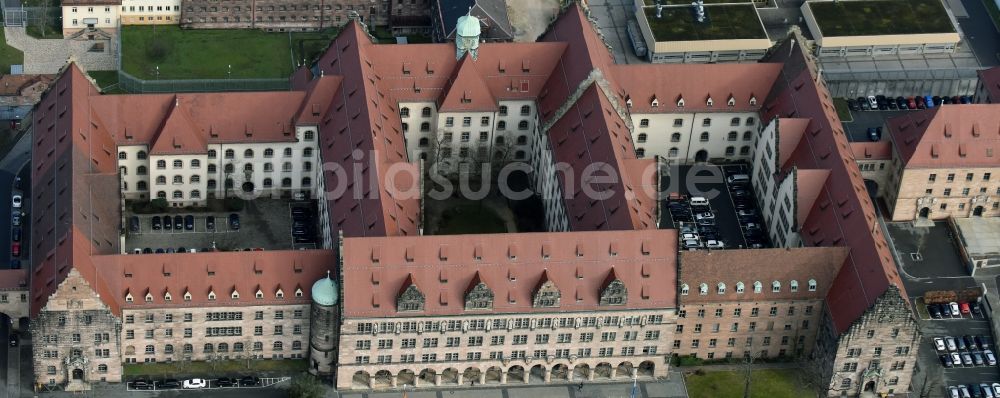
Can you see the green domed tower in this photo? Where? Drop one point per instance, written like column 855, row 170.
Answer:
column 467, row 33
column 324, row 326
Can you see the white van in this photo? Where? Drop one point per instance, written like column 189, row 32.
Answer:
column 699, row 201
column 738, row 179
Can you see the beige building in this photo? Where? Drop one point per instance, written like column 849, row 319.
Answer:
column 670, row 36
column 150, row 12
column 536, row 308
column 943, row 163
column 93, row 19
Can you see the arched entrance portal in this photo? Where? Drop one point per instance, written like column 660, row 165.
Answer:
column 870, row 386
column 701, row 156
column 77, row 374
column 978, row 211
column 924, row 212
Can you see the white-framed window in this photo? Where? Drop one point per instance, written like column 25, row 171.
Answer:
column 684, row 289
column 703, row 289
column 739, row 287
column 721, row 287
column 812, row 285
column 758, row 287
column 775, row 287
column 793, row 285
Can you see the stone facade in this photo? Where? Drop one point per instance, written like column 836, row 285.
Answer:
column 274, row 15
column 504, row 348
column 14, row 304
column 943, row 192
column 409, row 16
column 877, row 354
column 735, row 329
column 76, row 338
column 324, row 332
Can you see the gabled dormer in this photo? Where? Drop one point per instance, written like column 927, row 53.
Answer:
column 410, row 298
column 753, row 100
column 614, row 291
column 709, row 102
column 731, row 102
column 235, row 295
column 149, row 296
column 167, row 296
column 259, row 294
column 655, row 103
column 128, row 297
column 478, row 296
column 546, row 294
column 211, row 294
column 680, row 101
column 628, row 101
column 187, row 295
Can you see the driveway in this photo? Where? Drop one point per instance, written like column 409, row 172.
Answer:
column 49, row 55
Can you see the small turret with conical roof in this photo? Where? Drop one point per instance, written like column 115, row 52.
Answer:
column 467, row 32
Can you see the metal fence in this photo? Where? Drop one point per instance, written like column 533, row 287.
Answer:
column 132, row 84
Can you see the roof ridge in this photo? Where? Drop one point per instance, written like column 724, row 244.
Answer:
column 466, row 90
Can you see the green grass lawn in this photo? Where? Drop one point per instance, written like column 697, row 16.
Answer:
column 104, row 78
column 862, row 18
column 470, row 218
column 842, row 110
column 724, row 22
column 207, row 54
column 8, row 55
column 769, row 383
column 181, row 369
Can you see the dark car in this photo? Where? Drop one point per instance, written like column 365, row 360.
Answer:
column 956, row 100
column 15, row 249
column 863, row 102
column 168, row 223
column 13, row 340
column 299, row 213
column 936, row 100
column 945, row 100
column 133, row 224
column 155, row 223
column 901, row 102
column 226, row 382
column 147, row 250
column 921, row 104
column 961, row 344
column 171, row 250
column 302, row 239
column 934, row 310
column 249, row 381
column 189, row 223
column 178, row 222
column 970, row 342
column 739, row 193
column 965, row 99
column 160, row 250
column 17, row 182
column 15, row 264
column 182, row 249
column 15, row 234
column 210, row 223
column 169, row 383
column 234, row 221
column 945, row 310
column 891, row 103
column 986, row 342
column 142, row 384
column 946, row 361
column 853, row 105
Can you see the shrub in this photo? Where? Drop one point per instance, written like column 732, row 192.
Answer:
column 305, row 386
column 157, row 50
column 158, row 204
column 235, row 204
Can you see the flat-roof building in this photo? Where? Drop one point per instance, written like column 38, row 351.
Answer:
column 728, row 33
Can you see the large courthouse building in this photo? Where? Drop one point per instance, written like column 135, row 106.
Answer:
column 604, row 295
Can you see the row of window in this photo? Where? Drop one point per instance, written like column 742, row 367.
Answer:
column 426, row 112
column 267, row 183
column 211, row 316
column 965, row 191
column 674, row 152
column 749, row 342
column 705, row 136
column 279, row 294
column 521, row 339
column 513, row 323
column 655, row 103
column 515, row 354
column 951, row 177
column 212, row 348
column 212, row 154
column 328, row 7
column 704, row 122
column 738, row 312
column 758, row 287
column 158, row 8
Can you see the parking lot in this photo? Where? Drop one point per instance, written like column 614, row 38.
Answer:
column 264, row 224
column 719, row 220
column 929, row 261
column 862, row 120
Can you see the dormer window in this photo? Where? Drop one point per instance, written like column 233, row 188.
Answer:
column 259, row 294
column 731, row 102
column 680, row 102
column 684, row 289
column 546, row 293
column 812, row 285
column 793, row 285
column 298, row 292
column 279, row 294
column 775, row 287
column 614, row 292
column 128, row 298
column 758, row 287
column 628, row 102
column 721, row 288
column 709, row 102
column 235, row 295
column 739, row 287
column 167, row 297
column 149, row 298
column 753, row 101
column 187, row 296
column 211, row 295
column 655, row 103
column 703, row 289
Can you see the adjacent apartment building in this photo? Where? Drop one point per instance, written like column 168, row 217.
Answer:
column 489, row 308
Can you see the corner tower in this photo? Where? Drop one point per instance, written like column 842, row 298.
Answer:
column 324, row 326
column 467, row 32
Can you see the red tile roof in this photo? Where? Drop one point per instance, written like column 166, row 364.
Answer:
column 764, row 265
column 808, row 185
column 843, row 214
column 13, row 279
column 220, row 272
column 790, row 132
column 512, row 266
column 695, row 84
column 948, row 136
column 881, row 150
column 466, row 91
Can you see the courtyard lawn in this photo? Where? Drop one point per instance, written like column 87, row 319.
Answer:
column 470, row 218
column 208, row 54
column 8, row 55
column 843, row 111
column 765, row 383
column 202, row 368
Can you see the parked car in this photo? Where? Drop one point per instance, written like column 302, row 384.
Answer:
column 950, row 342
column 874, row 134
column 946, row 361
column 189, row 223
column 15, row 234
column 142, row 384
column 853, row 105
column 16, row 201
column 987, row 390
column 953, row 307
column 966, row 359
column 17, row 182
column 996, row 388
column 960, row 344
column 705, row 216
column 929, row 101
column 975, row 308
column 977, row 358
column 964, row 307
column 133, row 224
column 969, row 342
column 945, row 310
column 15, row 264
column 147, row 250
column 226, row 382
column 936, row 100
column 160, row 250
column 210, row 223
column 299, row 213
column 715, row 244
column 911, row 103
column 13, row 340
column 234, row 221
column 178, row 222
column 990, row 358
column 939, row 344
column 946, row 100
column 249, row 381
column 956, row 358
column 15, row 219
column 155, row 223
column 872, row 102
column 934, row 311
column 689, row 236
column 169, row 383
column 15, row 249
column 195, row 383
column 688, row 229
column 965, row 99
column 691, row 244
column 987, row 342
column 168, row 223
column 901, row 103
column 698, row 201
column 964, row 390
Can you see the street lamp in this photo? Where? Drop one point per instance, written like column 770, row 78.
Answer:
column 157, row 72
column 230, row 72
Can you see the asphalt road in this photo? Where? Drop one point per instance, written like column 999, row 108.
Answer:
column 980, row 33
column 15, row 162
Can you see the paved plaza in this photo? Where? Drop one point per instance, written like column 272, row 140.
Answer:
column 49, row 55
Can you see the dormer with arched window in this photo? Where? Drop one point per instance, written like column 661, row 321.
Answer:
column 478, row 296
column 235, row 295
column 758, row 287
column 775, row 287
column 655, row 103
column 167, row 297
column 753, row 100
column 187, row 295
column 739, row 287
column 211, row 294
column 703, row 289
column 709, row 102
column 684, row 289
column 128, row 297
column 149, row 297
column 731, row 102
column 721, row 288
column 812, row 285
column 793, row 285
